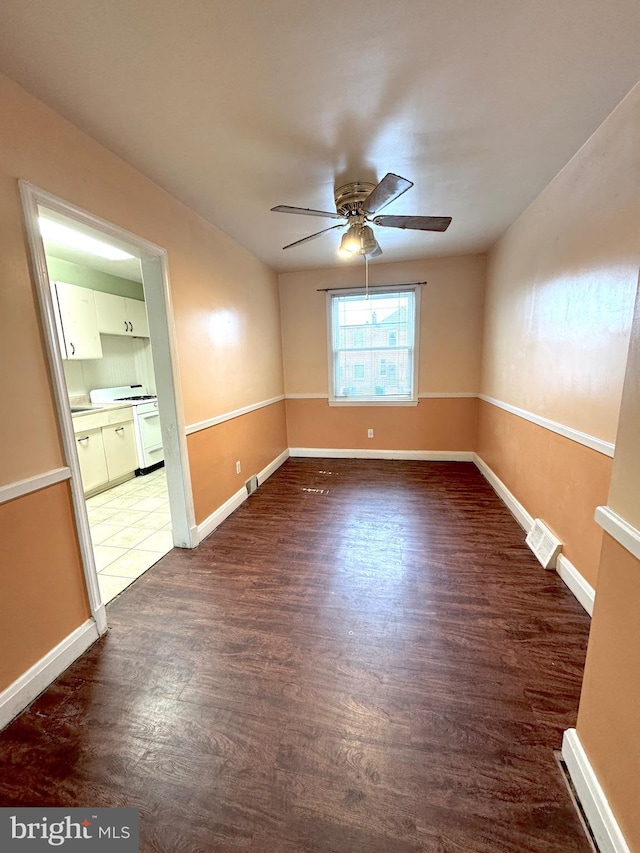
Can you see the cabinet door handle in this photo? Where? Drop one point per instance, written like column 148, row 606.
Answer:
column 126, row 326
column 86, row 438
column 73, row 349
column 131, row 324
column 119, row 429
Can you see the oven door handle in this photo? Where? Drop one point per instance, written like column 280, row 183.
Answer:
column 148, row 416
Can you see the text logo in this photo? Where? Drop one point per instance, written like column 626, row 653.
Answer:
column 37, row 829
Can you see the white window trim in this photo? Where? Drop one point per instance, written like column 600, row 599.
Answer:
column 375, row 401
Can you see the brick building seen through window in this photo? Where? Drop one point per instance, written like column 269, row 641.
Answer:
column 373, row 343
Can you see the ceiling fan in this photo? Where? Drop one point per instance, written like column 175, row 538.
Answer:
column 356, row 204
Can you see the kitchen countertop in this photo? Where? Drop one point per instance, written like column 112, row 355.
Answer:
column 91, row 408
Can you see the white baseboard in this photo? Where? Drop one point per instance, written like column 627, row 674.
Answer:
column 223, row 512
column 578, row 585
column 272, row 467
column 524, row 519
column 358, row 453
column 592, row 798
column 37, row 678
column 100, row 615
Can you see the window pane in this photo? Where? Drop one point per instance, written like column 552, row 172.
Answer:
column 373, row 342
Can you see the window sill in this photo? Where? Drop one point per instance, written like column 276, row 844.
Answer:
column 372, row 402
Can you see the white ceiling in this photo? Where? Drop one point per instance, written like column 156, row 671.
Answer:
column 234, row 106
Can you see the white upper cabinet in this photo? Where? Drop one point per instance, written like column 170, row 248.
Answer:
column 76, row 321
column 137, row 318
column 118, row 315
column 112, row 316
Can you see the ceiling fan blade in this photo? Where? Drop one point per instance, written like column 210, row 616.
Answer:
column 388, row 190
column 313, row 236
column 415, row 223
column 285, row 208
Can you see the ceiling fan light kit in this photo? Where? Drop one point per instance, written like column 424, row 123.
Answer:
column 350, row 243
column 369, row 243
column 356, row 203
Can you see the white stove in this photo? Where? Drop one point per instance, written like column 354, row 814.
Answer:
column 146, row 421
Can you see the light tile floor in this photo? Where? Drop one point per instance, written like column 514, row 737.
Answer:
column 131, row 530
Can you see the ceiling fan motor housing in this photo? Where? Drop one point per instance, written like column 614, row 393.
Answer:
column 349, row 197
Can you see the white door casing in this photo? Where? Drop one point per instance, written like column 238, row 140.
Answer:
column 162, row 332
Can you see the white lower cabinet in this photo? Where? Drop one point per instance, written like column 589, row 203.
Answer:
column 106, row 445
column 93, row 462
column 120, row 450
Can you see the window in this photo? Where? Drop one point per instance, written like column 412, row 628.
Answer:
column 373, row 345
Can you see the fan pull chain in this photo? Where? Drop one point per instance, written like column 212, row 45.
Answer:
column 366, row 277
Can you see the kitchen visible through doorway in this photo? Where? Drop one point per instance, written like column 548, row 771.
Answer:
column 107, row 359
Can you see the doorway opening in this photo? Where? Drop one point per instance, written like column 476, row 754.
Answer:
column 108, row 324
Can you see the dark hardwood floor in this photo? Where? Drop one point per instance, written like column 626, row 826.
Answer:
column 364, row 658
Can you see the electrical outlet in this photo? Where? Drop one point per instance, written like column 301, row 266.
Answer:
column 238, row 467
column 369, row 433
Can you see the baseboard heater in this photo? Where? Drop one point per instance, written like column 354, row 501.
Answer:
column 545, row 545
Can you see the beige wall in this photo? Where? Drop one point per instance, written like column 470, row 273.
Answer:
column 29, row 439
column 561, row 286
column 449, row 347
column 559, row 303
column 42, row 597
column 450, row 321
column 226, row 307
column 609, row 715
column 625, row 480
column 435, row 424
column 553, row 477
column 608, row 718
column 225, row 301
column 213, row 454
column 228, row 321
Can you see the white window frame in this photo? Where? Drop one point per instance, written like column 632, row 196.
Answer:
column 404, row 400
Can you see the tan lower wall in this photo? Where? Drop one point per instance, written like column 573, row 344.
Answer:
column 43, row 596
column 609, row 715
column 255, row 439
column 434, row 424
column 554, row 478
